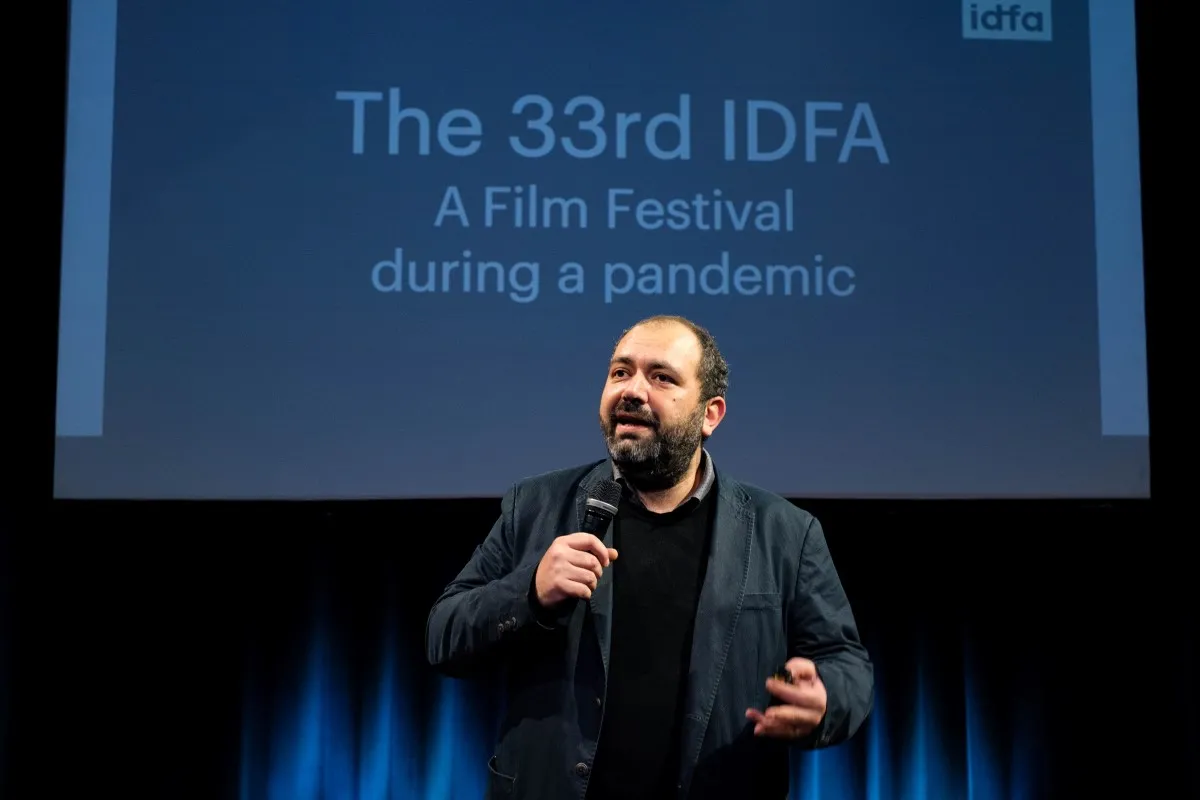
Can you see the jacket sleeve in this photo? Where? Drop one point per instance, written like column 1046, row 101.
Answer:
column 822, row 629
column 487, row 606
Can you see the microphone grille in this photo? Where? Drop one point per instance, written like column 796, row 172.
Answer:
column 608, row 491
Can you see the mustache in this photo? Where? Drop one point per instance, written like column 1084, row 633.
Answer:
column 631, row 413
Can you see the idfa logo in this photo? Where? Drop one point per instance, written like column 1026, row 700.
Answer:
column 1028, row 21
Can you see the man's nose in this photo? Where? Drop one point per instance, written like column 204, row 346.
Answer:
column 636, row 390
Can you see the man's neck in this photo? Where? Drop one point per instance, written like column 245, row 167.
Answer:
column 660, row 502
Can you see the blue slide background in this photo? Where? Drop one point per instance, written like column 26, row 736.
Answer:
column 247, row 353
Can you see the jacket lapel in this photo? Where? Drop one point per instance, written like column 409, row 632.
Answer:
column 601, row 601
column 716, row 614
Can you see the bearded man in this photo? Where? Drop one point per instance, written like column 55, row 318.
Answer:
column 682, row 649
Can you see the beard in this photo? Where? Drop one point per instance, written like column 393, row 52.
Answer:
column 660, row 456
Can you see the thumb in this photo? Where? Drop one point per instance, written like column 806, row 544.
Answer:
column 802, row 669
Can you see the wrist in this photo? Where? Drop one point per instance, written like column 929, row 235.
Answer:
column 548, row 617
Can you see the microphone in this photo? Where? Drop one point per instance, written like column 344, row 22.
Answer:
column 601, row 507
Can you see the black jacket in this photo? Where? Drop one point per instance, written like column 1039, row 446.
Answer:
column 770, row 593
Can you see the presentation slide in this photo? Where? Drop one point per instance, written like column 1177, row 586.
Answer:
column 321, row 249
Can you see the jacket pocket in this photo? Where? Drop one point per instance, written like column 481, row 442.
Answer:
column 752, row 601
column 499, row 784
column 759, row 646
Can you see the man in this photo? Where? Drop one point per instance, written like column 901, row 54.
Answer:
column 641, row 664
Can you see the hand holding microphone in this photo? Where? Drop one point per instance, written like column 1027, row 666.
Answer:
column 573, row 564
column 572, row 567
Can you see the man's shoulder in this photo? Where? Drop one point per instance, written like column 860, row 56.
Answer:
column 768, row 504
column 557, row 481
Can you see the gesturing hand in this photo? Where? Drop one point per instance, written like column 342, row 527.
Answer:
column 803, row 703
column 571, row 567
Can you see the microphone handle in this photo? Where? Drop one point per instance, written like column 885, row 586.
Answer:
column 596, row 521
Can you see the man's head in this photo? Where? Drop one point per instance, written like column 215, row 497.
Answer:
column 664, row 395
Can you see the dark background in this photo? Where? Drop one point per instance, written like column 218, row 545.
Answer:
column 137, row 639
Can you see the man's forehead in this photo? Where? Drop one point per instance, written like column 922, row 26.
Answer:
column 669, row 342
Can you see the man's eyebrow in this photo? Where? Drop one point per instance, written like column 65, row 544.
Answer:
column 626, row 361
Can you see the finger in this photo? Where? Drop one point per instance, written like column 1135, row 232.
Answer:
column 766, row 726
column 585, row 576
column 794, row 718
column 571, row 588
column 781, row 722
column 587, row 561
column 775, row 729
column 612, row 555
column 588, row 543
column 802, row 669
column 804, row 695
